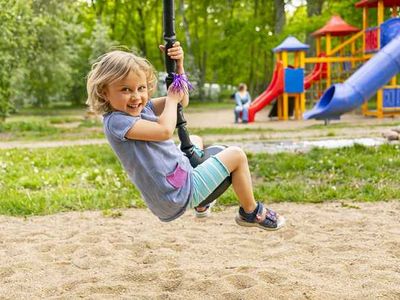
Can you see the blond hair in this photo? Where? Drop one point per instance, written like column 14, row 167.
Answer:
column 242, row 87
column 111, row 67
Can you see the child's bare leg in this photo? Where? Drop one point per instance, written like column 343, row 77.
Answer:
column 197, row 141
column 235, row 160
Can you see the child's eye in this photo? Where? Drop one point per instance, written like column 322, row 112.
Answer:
column 142, row 88
column 125, row 89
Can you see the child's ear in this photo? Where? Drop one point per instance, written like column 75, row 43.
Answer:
column 104, row 94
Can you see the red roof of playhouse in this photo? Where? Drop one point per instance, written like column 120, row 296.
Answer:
column 374, row 3
column 336, row 26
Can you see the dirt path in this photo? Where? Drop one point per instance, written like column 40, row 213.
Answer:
column 351, row 126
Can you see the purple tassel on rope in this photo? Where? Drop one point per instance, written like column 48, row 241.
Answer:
column 181, row 84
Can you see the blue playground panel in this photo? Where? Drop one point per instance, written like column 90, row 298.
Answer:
column 391, row 98
column 294, row 80
column 389, row 30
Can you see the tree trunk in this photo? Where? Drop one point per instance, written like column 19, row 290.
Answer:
column 142, row 32
column 314, row 8
column 98, row 8
column 115, row 19
column 280, row 16
column 203, row 55
column 189, row 49
column 252, row 53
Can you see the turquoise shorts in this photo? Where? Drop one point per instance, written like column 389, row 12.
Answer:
column 206, row 178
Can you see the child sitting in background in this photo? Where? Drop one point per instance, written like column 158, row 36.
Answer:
column 139, row 130
column 242, row 100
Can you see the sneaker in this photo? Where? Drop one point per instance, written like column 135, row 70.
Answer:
column 205, row 213
column 262, row 217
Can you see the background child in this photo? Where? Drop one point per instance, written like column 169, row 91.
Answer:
column 242, row 100
column 140, row 130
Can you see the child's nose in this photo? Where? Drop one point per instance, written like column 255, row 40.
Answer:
column 134, row 95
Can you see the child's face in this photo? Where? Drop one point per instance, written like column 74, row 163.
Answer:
column 130, row 94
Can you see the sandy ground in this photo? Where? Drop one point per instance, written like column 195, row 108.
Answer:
column 326, row 251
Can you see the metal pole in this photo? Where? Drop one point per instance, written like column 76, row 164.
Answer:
column 186, row 145
column 169, row 37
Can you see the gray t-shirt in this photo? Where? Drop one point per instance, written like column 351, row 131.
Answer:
column 160, row 171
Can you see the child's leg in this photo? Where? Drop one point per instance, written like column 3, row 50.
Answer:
column 197, row 141
column 235, row 160
column 245, row 114
column 237, row 112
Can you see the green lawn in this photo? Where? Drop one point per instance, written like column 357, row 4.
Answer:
column 45, row 181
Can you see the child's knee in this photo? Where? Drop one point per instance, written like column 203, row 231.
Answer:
column 237, row 153
column 197, row 141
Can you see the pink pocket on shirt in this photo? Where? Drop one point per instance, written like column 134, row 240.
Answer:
column 178, row 177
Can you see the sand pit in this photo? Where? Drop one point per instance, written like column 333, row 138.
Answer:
column 326, row 251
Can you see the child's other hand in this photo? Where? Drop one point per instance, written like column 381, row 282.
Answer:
column 174, row 96
column 176, row 53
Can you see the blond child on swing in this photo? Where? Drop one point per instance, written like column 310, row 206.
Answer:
column 140, row 129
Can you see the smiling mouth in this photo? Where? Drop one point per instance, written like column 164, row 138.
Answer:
column 133, row 106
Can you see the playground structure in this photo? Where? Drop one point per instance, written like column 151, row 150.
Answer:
column 288, row 80
column 371, row 56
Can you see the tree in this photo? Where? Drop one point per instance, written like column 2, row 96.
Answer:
column 280, row 16
column 314, row 8
column 14, row 52
column 7, row 60
column 47, row 46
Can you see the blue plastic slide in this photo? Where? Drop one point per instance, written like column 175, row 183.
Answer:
column 360, row 86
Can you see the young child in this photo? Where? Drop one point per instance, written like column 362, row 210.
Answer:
column 140, row 129
column 243, row 100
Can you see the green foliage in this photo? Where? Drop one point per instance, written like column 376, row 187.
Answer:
column 11, row 49
column 47, row 46
column 38, row 48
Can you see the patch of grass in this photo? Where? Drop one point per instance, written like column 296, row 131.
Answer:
column 90, row 123
column 228, row 130
column 29, row 127
column 356, row 173
column 112, row 213
column 51, row 111
column 331, row 134
column 347, row 205
column 50, row 128
column 64, row 120
column 45, row 181
column 199, row 106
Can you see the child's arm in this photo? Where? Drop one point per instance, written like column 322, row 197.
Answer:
column 161, row 130
column 158, row 104
column 175, row 52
